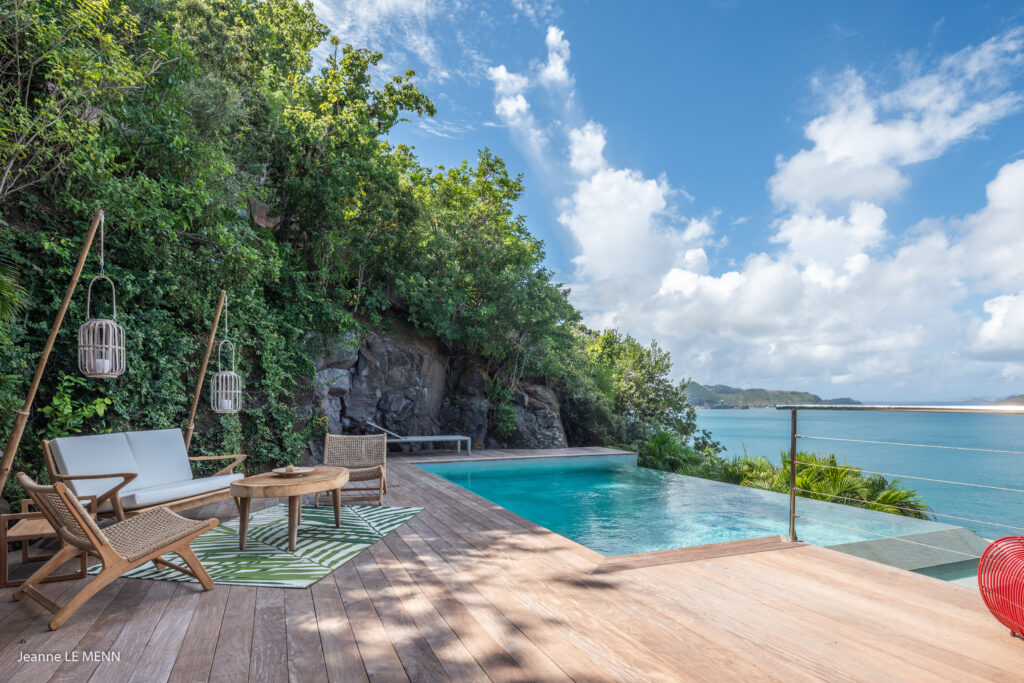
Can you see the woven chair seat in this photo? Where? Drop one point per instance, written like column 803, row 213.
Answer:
column 145, row 533
column 365, row 473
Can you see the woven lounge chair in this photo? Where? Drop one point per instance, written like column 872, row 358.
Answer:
column 121, row 546
column 366, row 460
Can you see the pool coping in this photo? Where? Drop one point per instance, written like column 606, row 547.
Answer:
column 481, row 455
column 692, row 553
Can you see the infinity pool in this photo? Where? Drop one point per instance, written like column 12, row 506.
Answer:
column 612, row 506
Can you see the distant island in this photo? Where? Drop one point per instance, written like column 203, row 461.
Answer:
column 1009, row 401
column 722, row 396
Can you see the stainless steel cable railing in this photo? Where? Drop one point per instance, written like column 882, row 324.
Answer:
column 795, row 463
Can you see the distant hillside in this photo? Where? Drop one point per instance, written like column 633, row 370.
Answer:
column 722, row 396
column 1009, row 401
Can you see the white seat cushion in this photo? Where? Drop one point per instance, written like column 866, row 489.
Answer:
column 161, row 456
column 154, row 495
column 96, row 454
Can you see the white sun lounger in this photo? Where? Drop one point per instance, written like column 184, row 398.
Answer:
column 398, row 438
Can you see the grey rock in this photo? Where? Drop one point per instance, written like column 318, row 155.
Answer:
column 333, row 381
column 402, row 382
column 331, row 407
column 341, row 354
column 537, row 420
column 465, row 414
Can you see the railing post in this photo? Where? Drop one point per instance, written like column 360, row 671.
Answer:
column 792, row 476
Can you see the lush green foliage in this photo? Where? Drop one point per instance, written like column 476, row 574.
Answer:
column 223, row 160
column 630, row 383
column 821, row 477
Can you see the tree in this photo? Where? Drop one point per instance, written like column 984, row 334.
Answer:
column 63, row 67
column 636, row 379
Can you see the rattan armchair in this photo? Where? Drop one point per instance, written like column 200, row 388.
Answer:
column 120, row 547
column 366, row 460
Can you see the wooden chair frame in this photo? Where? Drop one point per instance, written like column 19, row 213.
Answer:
column 113, row 495
column 32, row 526
column 114, row 564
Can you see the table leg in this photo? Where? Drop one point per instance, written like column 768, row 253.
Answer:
column 336, row 497
column 243, row 521
column 294, row 505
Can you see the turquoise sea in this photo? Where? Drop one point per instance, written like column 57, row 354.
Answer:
column 765, row 432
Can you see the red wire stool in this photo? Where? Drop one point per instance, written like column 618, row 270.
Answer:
column 1001, row 580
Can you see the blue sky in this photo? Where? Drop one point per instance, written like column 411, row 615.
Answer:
column 816, row 195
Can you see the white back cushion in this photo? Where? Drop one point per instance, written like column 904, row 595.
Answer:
column 96, row 454
column 161, row 456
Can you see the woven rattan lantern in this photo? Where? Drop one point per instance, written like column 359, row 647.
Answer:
column 226, row 385
column 100, row 340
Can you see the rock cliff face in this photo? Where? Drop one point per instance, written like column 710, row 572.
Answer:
column 400, row 381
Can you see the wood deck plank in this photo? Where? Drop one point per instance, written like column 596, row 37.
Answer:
column 268, row 655
column 58, row 642
column 491, row 618
column 617, row 563
column 495, row 661
column 234, row 641
column 458, row 663
column 378, row 653
column 341, row 654
column 305, row 653
column 134, row 638
column 105, row 631
column 157, row 662
column 28, row 614
column 417, row 656
column 195, row 656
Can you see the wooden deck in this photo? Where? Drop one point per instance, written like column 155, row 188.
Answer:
column 469, row 591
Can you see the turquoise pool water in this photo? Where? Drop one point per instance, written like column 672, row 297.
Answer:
column 612, row 506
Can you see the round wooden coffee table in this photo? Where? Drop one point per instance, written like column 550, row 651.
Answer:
column 271, row 485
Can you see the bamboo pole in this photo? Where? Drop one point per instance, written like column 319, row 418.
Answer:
column 22, row 415
column 202, row 370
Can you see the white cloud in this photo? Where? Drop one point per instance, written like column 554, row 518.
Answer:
column 512, row 107
column 506, row 83
column 814, row 239
column 536, row 11
column 376, row 23
column 614, row 217
column 586, row 148
column 1001, row 336
column 864, row 139
column 556, row 71
column 993, row 243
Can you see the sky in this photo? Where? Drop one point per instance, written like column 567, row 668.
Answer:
column 824, row 196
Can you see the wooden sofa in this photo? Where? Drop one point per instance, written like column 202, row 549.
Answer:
column 131, row 472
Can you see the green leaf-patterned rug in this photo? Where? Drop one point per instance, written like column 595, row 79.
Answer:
column 266, row 560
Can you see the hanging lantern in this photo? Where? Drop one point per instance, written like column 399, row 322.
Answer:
column 226, row 385
column 101, row 347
